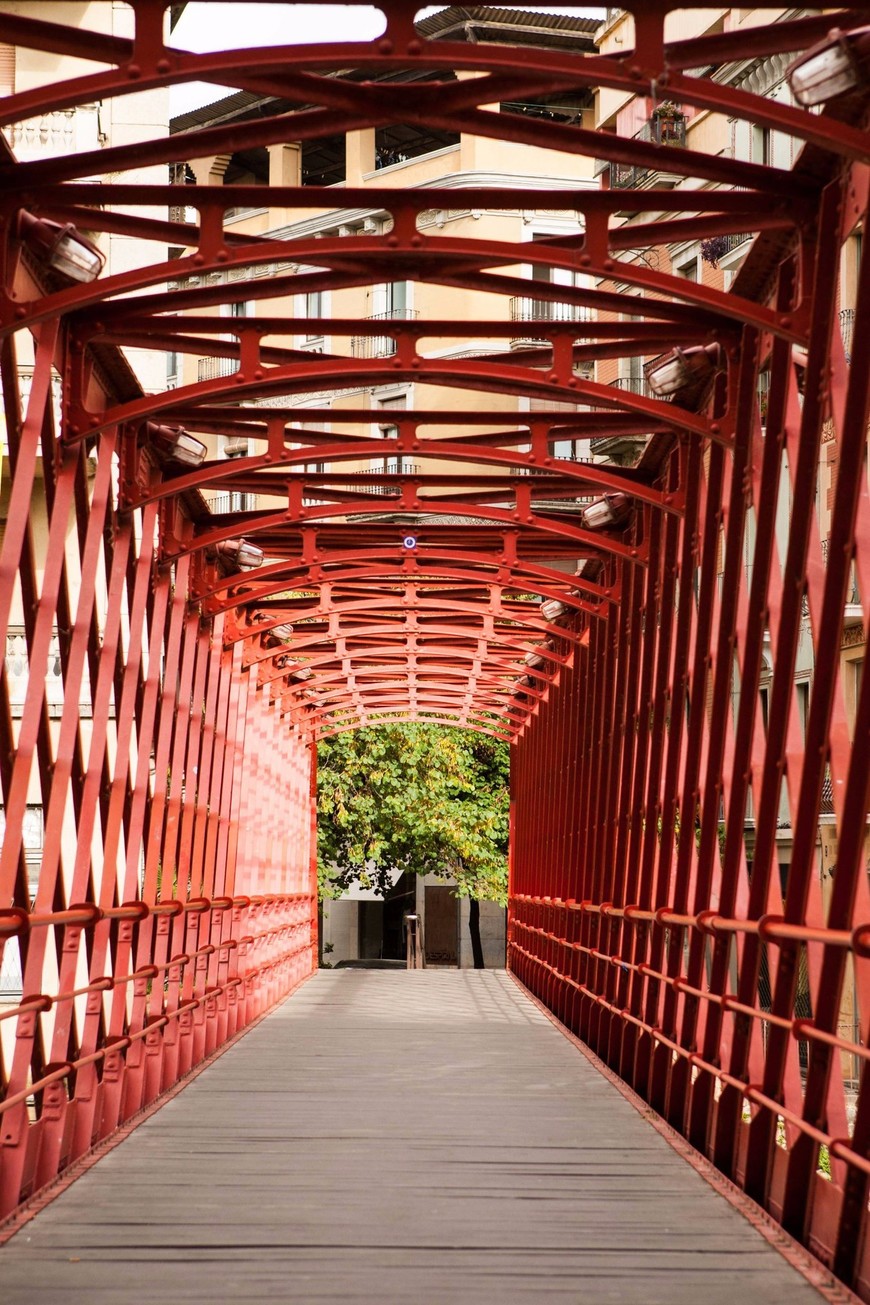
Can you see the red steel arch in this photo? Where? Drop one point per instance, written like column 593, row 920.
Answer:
column 680, row 678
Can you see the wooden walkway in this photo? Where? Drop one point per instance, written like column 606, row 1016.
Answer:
column 425, row 1137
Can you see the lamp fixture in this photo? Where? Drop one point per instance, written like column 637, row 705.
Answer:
column 244, row 555
column 62, row 247
column 831, row 68
column 610, row 510
column 304, row 673
column 533, row 659
column 180, row 446
column 552, row 609
column 682, row 367
column 283, row 631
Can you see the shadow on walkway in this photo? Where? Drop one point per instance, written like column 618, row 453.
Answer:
column 425, row 1137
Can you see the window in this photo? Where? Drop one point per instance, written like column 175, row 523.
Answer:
column 7, row 69
column 393, row 464
column 397, row 297
column 390, row 463
column 802, row 690
column 576, row 450
column 392, row 299
column 855, row 672
column 314, row 309
column 764, row 703
column 762, row 151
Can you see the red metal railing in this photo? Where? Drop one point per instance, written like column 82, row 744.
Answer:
column 689, row 887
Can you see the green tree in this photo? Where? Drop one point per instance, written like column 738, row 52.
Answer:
column 422, row 798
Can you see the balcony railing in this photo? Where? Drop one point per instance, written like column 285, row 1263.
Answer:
column 231, row 501
column 209, row 369
column 523, row 308
column 373, row 489
column 658, row 131
column 633, row 385
column 381, row 346
column 847, row 326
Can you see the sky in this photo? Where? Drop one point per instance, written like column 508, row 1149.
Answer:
column 204, row 26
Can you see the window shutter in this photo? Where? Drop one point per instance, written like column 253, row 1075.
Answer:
column 7, row 69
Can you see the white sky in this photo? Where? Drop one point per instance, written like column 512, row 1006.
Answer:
column 204, row 26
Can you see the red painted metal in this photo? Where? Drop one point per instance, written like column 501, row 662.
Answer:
column 689, row 834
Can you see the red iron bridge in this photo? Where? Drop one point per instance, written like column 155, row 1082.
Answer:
column 505, row 370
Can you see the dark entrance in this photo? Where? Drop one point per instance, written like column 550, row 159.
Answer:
column 380, row 923
column 442, row 926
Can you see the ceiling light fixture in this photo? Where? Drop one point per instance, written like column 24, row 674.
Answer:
column 610, row 510
column 180, row 446
column 552, row 609
column 244, row 555
column 834, row 66
column 62, row 247
column 683, row 367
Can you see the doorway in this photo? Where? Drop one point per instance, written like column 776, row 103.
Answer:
column 381, row 936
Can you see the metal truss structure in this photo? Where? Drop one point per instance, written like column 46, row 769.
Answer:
column 176, row 891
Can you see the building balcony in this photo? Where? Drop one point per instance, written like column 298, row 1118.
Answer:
column 371, row 487
column 381, row 346
column 633, row 385
column 660, row 130
column 847, row 327
column 523, row 308
column 209, row 369
column 854, row 612
column 623, row 450
column 229, row 501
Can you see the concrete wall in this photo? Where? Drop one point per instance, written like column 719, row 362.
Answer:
column 340, row 928
column 492, row 935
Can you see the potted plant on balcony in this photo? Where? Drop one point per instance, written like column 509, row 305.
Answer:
column 669, row 124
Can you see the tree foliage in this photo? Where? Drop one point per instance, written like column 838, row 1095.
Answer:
column 424, row 798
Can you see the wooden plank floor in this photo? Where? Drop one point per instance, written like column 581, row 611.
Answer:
column 424, row 1137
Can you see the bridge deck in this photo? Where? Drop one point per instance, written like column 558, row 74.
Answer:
column 426, row 1137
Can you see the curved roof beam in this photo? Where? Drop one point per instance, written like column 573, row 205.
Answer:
column 545, row 581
